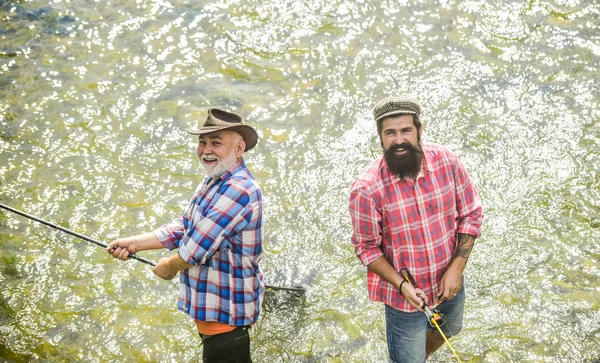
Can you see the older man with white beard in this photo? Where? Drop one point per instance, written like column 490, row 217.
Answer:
column 218, row 240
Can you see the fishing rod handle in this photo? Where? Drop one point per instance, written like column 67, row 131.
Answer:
column 141, row 259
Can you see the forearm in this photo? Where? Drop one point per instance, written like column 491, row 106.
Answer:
column 386, row 271
column 176, row 263
column 146, row 241
column 383, row 268
column 462, row 252
column 167, row 268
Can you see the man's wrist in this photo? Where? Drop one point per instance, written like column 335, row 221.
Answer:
column 458, row 264
column 400, row 287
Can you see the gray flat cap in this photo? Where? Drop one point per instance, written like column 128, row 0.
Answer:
column 396, row 105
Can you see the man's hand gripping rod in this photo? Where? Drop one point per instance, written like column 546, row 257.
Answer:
column 432, row 315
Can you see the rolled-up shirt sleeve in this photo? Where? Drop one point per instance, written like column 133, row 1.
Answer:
column 171, row 233
column 366, row 223
column 469, row 212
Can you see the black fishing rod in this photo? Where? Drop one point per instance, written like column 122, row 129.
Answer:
column 72, row 233
column 131, row 255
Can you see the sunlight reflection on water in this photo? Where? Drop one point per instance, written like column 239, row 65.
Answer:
column 95, row 97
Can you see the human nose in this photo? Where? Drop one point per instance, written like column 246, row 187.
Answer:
column 204, row 148
column 201, row 150
column 398, row 139
column 209, row 150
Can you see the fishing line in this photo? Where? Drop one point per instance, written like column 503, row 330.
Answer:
column 432, row 314
column 296, row 289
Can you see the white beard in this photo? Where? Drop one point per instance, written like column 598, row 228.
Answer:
column 222, row 166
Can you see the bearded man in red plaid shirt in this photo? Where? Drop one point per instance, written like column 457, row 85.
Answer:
column 218, row 241
column 415, row 208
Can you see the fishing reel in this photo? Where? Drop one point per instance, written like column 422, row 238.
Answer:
column 434, row 316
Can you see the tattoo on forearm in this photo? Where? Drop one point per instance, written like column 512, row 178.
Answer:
column 465, row 245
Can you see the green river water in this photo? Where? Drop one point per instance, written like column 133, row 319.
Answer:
column 94, row 97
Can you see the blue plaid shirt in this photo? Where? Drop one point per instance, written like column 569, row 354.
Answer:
column 221, row 233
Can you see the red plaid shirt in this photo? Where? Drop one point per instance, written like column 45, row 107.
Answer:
column 413, row 224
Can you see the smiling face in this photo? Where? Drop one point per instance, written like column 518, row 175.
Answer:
column 398, row 130
column 400, row 139
column 219, row 151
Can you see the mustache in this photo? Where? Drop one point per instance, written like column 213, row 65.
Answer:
column 206, row 157
column 404, row 145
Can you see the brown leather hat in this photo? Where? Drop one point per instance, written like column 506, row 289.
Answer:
column 222, row 120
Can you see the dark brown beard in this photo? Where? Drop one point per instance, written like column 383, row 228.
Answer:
column 406, row 165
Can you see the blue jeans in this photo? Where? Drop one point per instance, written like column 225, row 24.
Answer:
column 407, row 332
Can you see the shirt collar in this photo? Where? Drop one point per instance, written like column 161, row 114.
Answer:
column 426, row 163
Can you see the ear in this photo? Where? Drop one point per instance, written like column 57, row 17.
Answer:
column 240, row 147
